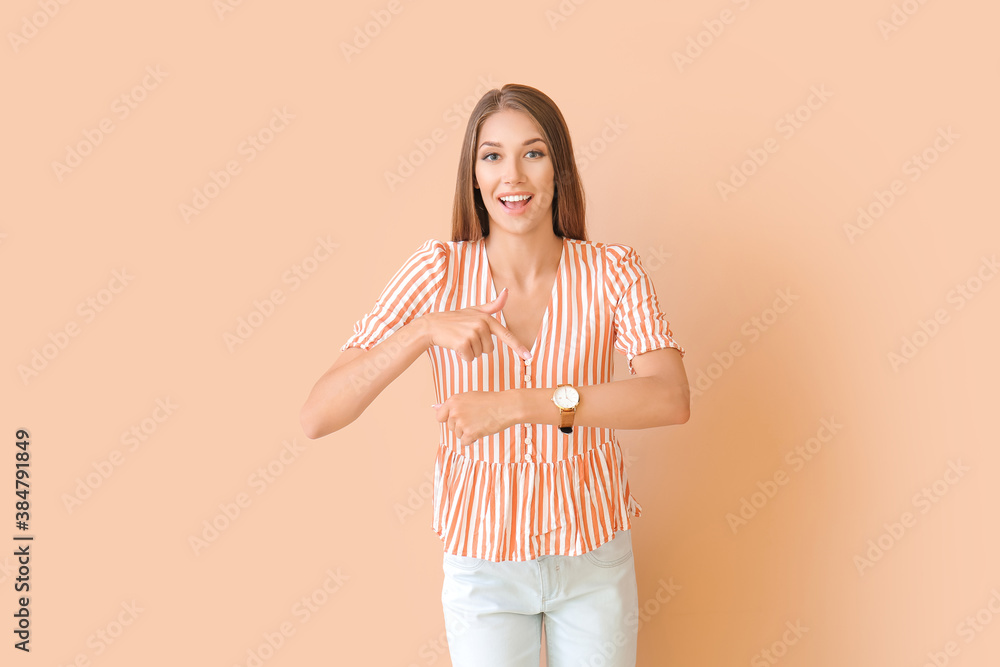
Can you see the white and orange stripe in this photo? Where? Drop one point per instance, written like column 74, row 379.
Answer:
column 529, row 490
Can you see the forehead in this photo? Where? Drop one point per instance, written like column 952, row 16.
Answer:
column 509, row 124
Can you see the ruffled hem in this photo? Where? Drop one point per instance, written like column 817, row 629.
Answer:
column 522, row 510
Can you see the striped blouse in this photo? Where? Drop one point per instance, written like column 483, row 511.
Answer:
column 529, row 490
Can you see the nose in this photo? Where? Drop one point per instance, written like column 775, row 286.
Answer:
column 512, row 172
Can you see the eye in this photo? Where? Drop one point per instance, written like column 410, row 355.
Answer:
column 487, row 157
column 539, row 153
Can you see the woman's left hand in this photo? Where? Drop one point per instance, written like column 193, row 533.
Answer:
column 475, row 414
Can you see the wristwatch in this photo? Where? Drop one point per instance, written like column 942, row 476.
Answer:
column 566, row 398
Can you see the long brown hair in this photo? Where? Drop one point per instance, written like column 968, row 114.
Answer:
column 470, row 220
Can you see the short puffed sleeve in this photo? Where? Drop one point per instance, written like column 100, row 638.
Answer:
column 640, row 325
column 409, row 294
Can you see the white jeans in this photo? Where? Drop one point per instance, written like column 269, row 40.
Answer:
column 493, row 611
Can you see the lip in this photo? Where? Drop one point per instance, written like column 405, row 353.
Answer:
column 519, row 192
column 520, row 211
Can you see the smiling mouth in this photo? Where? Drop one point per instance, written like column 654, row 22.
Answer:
column 517, row 204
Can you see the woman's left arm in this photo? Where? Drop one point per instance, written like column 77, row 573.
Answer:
column 658, row 395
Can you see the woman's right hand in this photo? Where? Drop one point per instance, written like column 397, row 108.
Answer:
column 470, row 331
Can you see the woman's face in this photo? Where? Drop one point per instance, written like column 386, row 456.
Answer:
column 513, row 159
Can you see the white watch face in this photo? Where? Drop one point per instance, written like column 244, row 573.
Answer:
column 566, row 397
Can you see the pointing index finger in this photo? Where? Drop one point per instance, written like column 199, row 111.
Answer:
column 505, row 336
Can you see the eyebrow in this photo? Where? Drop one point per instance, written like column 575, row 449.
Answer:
column 498, row 145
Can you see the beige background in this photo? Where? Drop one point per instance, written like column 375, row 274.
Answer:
column 655, row 136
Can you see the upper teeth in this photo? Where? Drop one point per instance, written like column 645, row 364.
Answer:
column 515, row 197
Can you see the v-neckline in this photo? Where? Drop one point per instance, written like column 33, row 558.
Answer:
column 552, row 292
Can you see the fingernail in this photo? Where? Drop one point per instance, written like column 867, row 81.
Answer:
column 436, row 405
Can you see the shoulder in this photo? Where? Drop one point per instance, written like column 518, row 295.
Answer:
column 436, row 247
column 425, row 264
column 600, row 246
column 608, row 255
column 431, row 251
column 449, row 248
column 619, row 252
column 619, row 265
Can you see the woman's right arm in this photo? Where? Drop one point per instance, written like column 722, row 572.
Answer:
column 358, row 376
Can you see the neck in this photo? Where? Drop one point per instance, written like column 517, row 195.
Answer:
column 523, row 259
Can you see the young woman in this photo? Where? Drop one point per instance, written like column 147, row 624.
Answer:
column 531, row 499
